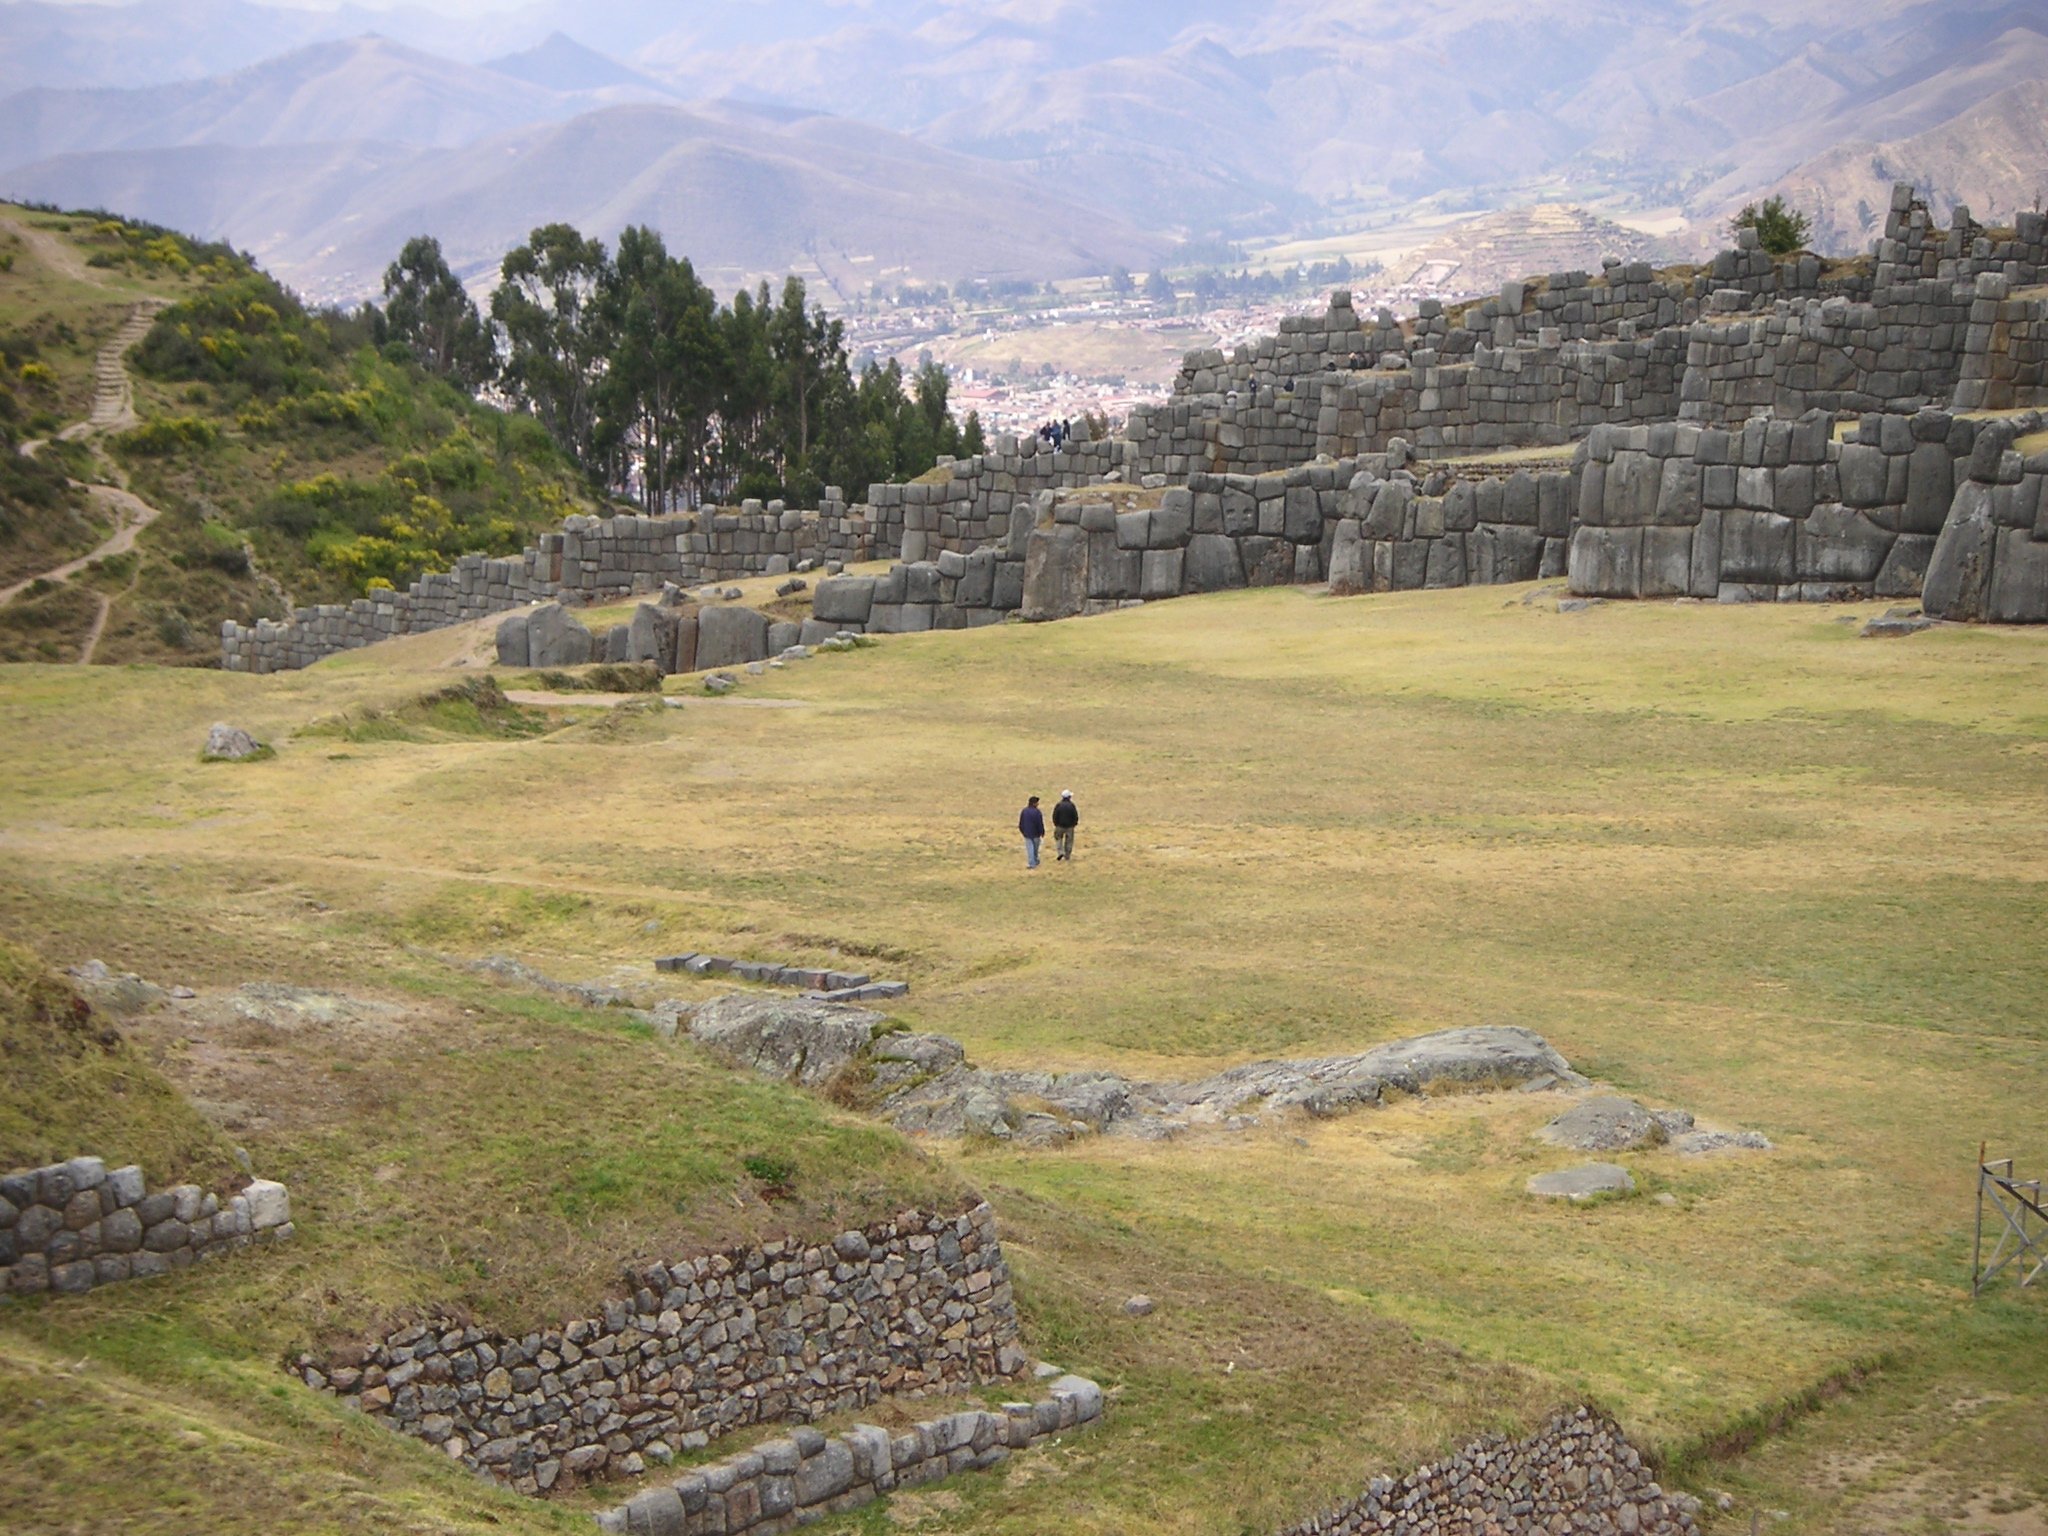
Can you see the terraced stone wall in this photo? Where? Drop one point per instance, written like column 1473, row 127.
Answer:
column 1577, row 1473
column 781, row 1332
column 802, row 1477
column 72, row 1227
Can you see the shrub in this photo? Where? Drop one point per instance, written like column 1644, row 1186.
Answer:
column 1780, row 230
column 168, row 434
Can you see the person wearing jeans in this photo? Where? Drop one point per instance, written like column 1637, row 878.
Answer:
column 1065, row 817
column 1032, row 824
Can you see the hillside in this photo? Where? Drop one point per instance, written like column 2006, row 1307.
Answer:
column 290, row 462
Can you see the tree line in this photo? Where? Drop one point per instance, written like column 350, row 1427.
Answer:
column 661, row 393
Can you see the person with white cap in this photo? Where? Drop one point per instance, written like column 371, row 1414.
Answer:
column 1065, row 817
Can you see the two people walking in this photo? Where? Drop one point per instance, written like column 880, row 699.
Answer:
column 1031, row 823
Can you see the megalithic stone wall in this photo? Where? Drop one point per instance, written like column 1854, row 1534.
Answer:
column 703, row 1345
column 1991, row 562
column 1774, row 511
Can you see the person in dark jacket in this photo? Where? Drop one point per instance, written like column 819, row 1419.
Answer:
column 1065, row 817
column 1032, row 824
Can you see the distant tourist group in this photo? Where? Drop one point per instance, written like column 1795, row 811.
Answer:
column 1056, row 433
column 1031, row 822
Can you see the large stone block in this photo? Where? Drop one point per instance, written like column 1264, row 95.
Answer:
column 1757, row 547
column 1162, row 573
column 650, row 636
column 1704, row 577
column 1930, row 487
column 1304, row 517
column 1389, row 512
column 512, row 651
column 1171, row 522
column 1445, row 564
column 1214, row 565
column 1350, row 569
column 1865, row 474
column 731, row 636
column 844, row 599
column 1904, row 571
column 1113, row 572
column 1839, row 544
column 1667, row 562
column 2019, row 580
column 1606, row 562
column 1678, row 493
column 1055, row 573
column 556, row 638
column 1133, row 530
column 1633, row 482
column 1958, row 584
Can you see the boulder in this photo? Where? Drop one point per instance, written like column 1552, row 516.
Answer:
column 230, row 744
column 1704, row 1143
column 731, row 637
column 1582, row 1183
column 555, row 637
column 512, row 650
column 794, row 1039
column 781, row 636
column 1606, row 1124
column 1606, row 562
column 1350, row 566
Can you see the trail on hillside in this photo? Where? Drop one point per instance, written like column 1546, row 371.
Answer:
column 131, row 515
column 54, row 253
column 113, row 410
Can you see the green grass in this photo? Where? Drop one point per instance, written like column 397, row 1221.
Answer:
column 1737, row 861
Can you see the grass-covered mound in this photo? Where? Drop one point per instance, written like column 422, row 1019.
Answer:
column 71, row 1085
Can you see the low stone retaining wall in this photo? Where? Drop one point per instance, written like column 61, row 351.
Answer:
column 803, row 1477
column 1577, row 1473
column 73, row 1226
column 702, row 1346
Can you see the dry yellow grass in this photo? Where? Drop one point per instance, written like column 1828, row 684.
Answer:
column 1736, row 860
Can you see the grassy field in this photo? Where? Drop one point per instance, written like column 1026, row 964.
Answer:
column 1735, row 860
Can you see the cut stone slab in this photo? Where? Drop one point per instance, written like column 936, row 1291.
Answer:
column 1582, row 1183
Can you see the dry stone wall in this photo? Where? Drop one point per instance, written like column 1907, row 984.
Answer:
column 1577, row 1473
column 801, row 1478
column 75, row 1226
column 779, row 1332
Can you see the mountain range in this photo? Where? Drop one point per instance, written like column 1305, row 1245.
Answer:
column 948, row 138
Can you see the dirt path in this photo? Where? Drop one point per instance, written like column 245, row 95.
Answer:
column 53, row 253
column 131, row 515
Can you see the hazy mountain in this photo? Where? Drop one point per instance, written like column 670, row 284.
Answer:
column 560, row 63
column 364, row 88
column 744, row 192
column 1252, row 117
